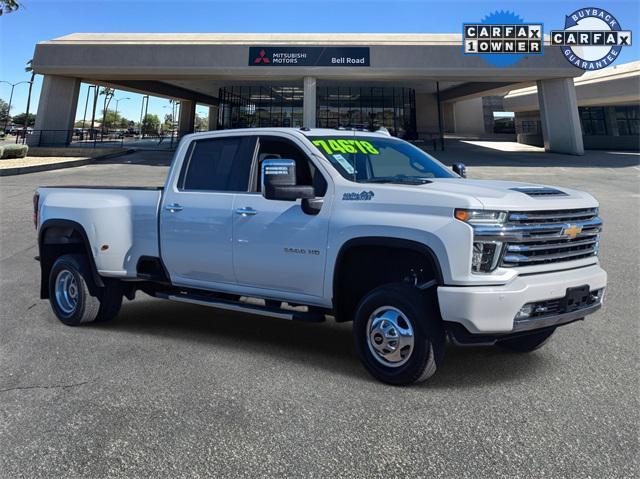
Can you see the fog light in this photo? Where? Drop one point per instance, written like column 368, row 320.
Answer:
column 597, row 296
column 525, row 312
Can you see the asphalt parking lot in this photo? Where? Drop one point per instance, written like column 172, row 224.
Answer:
column 173, row 390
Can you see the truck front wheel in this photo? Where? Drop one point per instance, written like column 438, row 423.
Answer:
column 398, row 334
column 70, row 294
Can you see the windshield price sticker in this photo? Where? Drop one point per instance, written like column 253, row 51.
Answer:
column 346, row 146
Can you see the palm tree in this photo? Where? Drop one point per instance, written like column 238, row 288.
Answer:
column 8, row 6
column 108, row 95
column 29, row 69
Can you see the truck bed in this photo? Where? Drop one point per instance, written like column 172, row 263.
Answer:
column 120, row 222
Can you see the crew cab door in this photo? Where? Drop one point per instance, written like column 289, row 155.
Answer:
column 276, row 245
column 196, row 212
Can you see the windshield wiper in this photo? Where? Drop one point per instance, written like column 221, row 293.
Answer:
column 400, row 179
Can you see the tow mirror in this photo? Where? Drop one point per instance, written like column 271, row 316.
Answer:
column 279, row 181
column 460, row 169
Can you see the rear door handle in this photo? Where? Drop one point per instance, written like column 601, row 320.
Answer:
column 246, row 211
column 173, row 207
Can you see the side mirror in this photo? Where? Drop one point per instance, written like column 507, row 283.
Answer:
column 460, row 169
column 279, row 181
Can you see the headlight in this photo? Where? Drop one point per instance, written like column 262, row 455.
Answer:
column 486, row 254
column 481, row 217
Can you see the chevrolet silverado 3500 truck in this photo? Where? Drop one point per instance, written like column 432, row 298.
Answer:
column 305, row 223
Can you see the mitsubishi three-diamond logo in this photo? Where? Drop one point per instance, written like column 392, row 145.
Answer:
column 262, row 57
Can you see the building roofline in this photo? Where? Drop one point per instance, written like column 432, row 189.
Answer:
column 261, row 38
column 615, row 72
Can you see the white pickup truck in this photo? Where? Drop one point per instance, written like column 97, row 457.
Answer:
column 303, row 223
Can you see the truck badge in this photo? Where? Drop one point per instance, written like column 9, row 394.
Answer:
column 362, row 196
column 572, row 231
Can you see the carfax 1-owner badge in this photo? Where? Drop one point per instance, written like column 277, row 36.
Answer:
column 592, row 38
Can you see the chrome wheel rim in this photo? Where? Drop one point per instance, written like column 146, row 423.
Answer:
column 66, row 291
column 390, row 336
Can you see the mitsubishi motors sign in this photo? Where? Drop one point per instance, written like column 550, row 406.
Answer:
column 309, row 56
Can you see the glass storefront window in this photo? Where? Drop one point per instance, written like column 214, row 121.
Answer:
column 368, row 107
column 593, row 120
column 628, row 120
column 276, row 106
column 259, row 106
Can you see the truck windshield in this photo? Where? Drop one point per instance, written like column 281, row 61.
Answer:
column 367, row 159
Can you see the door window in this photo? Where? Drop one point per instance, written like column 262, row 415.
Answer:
column 218, row 164
column 306, row 172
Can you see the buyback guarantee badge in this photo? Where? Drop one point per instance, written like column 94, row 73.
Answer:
column 592, row 38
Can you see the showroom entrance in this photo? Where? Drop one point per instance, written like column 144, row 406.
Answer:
column 350, row 106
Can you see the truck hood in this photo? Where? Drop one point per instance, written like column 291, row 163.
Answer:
column 510, row 195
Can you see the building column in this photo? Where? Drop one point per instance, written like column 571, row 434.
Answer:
column 559, row 116
column 187, row 117
column 309, row 103
column 213, row 118
column 56, row 111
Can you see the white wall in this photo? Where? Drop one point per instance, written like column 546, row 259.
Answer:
column 426, row 113
column 468, row 116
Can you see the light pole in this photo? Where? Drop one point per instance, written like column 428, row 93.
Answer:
column 145, row 99
column 118, row 100
column 13, row 85
column 86, row 104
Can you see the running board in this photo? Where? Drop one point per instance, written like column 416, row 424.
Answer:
column 240, row 307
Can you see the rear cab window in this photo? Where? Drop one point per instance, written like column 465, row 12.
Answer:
column 218, row 164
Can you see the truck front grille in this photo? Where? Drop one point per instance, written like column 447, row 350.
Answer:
column 541, row 237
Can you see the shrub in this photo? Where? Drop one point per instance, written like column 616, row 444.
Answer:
column 1, row 151
column 14, row 151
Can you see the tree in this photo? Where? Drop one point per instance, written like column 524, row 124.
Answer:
column 202, row 123
column 20, row 119
column 29, row 69
column 108, row 95
column 124, row 123
column 111, row 119
column 8, row 6
column 150, row 124
column 4, row 111
column 168, row 122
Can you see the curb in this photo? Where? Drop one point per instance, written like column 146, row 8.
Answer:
column 21, row 170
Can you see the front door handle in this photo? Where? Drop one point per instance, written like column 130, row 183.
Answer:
column 173, row 207
column 246, row 211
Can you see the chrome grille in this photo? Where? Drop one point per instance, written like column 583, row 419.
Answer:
column 542, row 237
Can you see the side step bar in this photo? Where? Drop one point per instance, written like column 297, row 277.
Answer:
column 242, row 307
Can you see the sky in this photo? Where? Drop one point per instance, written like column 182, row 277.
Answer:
column 41, row 20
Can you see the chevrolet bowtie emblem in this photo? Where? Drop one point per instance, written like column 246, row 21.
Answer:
column 572, row 231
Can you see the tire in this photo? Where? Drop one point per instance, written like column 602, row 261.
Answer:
column 70, row 286
column 527, row 343
column 399, row 310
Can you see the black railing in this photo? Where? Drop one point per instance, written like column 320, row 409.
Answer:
column 78, row 138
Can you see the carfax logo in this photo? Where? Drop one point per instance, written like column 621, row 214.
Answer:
column 502, row 38
column 592, row 38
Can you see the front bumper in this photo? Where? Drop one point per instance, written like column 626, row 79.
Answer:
column 493, row 309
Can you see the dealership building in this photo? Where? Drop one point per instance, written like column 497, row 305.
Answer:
column 412, row 84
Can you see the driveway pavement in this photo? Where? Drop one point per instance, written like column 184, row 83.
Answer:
column 173, row 390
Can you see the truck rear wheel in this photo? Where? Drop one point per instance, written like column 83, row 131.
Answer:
column 527, row 343
column 398, row 334
column 70, row 293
